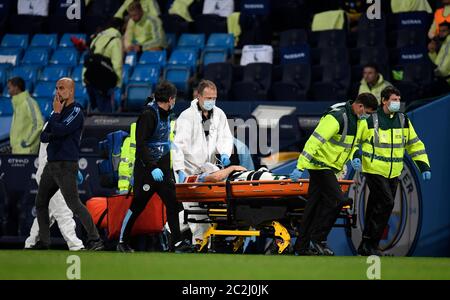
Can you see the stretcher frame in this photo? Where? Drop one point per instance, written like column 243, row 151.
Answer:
column 223, row 204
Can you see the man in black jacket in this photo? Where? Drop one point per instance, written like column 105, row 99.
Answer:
column 63, row 134
column 152, row 168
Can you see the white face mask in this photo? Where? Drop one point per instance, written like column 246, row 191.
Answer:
column 209, row 104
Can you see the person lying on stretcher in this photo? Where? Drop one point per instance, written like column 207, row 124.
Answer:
column 212, row 173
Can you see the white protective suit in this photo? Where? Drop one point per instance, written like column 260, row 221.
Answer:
column 193, row 149
column 58, row 211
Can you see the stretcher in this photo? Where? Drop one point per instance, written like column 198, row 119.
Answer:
column 270, row 208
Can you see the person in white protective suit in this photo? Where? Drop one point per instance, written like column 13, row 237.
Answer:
column 201, row 133
column 58, row 211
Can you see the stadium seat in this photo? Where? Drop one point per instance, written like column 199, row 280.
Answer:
column 6, row 108
column 411, row 37
column 45, row 89
column 221, row 40
column 335, row 83
column 77, row 73
column 213, row 55
column 171, row 40
column 4, row 71
column 66, row 39
column 210, row 23
column 81, row 95
column 36, row 56
column 145, row 73
column 174, row 24
column 46, row 106
column 15, row 40
column 371, row 38
column 290, row 133
column 11, row 56
column 65, row 56
column 126, row 72
column 414, row 19
column 82, row 57
column 295, row 83
column 179, row 75
column 378, row 55
column 42, row 40
column 153, row 57
column 191, row 41
column 54, row 72
column 255, row 84
column 299, row 54
column 222, row 75
column 368, row 24
column 27, row 73
column 184, row 57
column 131, row 59
column 137, row 95
column 331, row 38
column 417, row 79
column 334, row 55
column 293, row 37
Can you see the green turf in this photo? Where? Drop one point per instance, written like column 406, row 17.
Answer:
column 26, row 264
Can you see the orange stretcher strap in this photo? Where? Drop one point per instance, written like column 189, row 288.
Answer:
column 217, row 192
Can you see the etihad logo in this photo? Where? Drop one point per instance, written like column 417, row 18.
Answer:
column 18, row 161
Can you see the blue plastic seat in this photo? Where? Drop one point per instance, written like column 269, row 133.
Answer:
column 126, row 71
column 214, row 55
column 77, row 73
column 171, row 40
column 137, row 95
column 15, row 40
column 153, row 57
column 46, row 106
column 179, row 76
column 82, row 57
column 4, row 71
column 54, row 72
column 65, row 39
column 222, row 40
column 81, row 95
column 36, row 56
column 6, row 108
column 146, row 74
column 44, row 89
column 44, row 40
column 192, row 40
column 11, row 56
column 131, row 59
column 27, row 73
column 65, row 56
column 184, row 57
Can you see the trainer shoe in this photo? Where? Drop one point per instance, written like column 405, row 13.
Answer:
column 183, row 247
column 321, row 248
column 124, row 247
column 365, row 249
column 95, row 245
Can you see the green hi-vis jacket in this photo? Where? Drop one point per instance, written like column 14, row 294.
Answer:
column 333, row 142
column 384, row 141
column 26, row 125
column 127, row 158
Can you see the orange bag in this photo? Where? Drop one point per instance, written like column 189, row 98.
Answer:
column 150, row 221
column 97, row 208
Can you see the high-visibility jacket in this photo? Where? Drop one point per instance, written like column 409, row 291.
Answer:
column 384, row 141
column 26, row 124
column 181, row 8
column 127, row 158
column 399, row 6
column 442, row 59
column 149, row 7
column 441, row 15
column 328, row 20
column 376, row 89
column 333, row 142
column 148, row 32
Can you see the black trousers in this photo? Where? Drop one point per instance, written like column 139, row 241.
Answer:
column 144, row 188
column 61, row 175
column 379, row 206
column 325, row 199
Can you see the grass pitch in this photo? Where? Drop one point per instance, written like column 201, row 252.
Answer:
column 27, row 264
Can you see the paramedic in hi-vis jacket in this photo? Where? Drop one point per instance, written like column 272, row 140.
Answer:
column 332, row 144
column 201, row 133
column 152, row 170
column 385, row 137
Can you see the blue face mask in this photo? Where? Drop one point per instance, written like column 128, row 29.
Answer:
column 394, row 106
column 209, row 104
column 364, row 116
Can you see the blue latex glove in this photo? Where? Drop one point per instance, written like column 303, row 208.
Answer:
column 356, row 164
column 181, row 176
column 296, row 175
column 426, row 175
column 80, row 178
column 157, row 175
column 225, row 159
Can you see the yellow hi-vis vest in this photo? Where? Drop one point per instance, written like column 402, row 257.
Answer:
column 333, row 142
column 384, row 141
column 127, row 158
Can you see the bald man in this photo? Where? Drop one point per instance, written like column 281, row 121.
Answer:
column 63, row 134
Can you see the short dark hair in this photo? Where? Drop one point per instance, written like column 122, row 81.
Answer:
column 373, row 66
column 446, row 23
column 18, row 82
column 368, row 100
column 388, row 91
column 164, row 91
